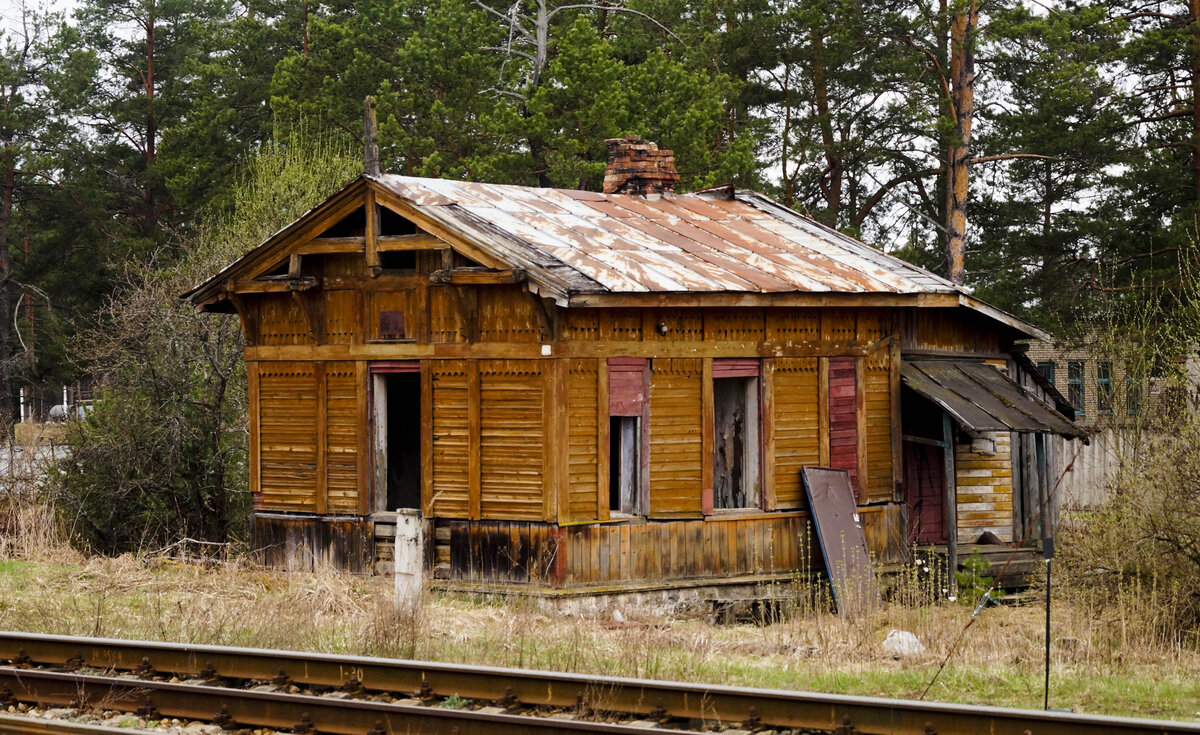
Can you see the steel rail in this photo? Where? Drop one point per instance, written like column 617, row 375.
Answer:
column 277, row 710
column 26, row 725
column 786, row 709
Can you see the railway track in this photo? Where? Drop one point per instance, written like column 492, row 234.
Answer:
column 308, row 692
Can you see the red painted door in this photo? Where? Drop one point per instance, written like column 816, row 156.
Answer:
column 924, row 472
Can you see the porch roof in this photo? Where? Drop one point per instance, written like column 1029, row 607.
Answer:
column 981, row 398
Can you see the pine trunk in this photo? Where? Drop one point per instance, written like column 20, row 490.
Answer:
column 962, row 103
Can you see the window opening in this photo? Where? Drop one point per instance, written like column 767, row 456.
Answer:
column 624, row 463
column 398, row 440
column 1133, row 396
column 398, row 260
column 1047, row 370
column 1104, row 387
column 1075, row 384
column 736, row 447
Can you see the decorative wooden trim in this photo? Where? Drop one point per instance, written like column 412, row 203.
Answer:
column 400, row 243
column 707, row 437
column 823, row 409
column 362, row 382
column 474, row 442
column 314, row 315
column 767, row 414
column 322, row 501
column 395, row 366
column 290, row 285
column 478, row 277
column 371, row 238
column 331, row 246
column 602, row 441
column 547, row 323
column 248, row 312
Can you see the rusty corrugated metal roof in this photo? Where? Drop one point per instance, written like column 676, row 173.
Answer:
column 981, row 398
column 706, row 242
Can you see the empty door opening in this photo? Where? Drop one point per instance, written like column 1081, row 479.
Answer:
column 736, row 444
column 624, row 466
column 397, row 440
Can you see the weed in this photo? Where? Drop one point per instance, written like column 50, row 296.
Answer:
column 455, row 702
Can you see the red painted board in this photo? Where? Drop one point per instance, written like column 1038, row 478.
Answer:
column 840, row 535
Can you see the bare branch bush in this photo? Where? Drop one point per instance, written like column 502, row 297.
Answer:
column 162, row 455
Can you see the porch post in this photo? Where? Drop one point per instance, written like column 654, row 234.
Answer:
column 951, row 501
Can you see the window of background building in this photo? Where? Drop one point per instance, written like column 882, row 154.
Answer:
column 1104, row 387
column 1075, row 384
column 1047, row 370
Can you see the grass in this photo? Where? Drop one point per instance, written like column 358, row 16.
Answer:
column 999, row 661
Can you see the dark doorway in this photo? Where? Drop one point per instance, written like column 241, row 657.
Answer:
column 624, row 466
column 924, row 469
column 398, row 439
column 735, row 449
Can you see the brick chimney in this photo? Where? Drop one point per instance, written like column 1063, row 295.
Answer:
column 638, row 167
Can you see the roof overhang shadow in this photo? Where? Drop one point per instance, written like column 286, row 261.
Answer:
column 981, row 398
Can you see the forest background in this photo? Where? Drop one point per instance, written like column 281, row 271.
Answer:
column 1056, row 144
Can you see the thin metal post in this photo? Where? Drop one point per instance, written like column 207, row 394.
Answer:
column 1048, row 553
column 951, row 503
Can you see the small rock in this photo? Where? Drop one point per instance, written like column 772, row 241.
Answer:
column 410, row 702
column 491, row 710
column 263, row 688
column 645, row 724
column 337, row 695
column 901, row 643
column 59, row 713
column 203, row 728
column 736, row 732
column 562, row 716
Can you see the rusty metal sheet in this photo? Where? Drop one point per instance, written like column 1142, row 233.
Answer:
column 981, row 398
column 962, row 409
column 630, row 244
column 843, row 543
column 1013, row 394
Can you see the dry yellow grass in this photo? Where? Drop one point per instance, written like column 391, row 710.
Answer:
column 999, row 661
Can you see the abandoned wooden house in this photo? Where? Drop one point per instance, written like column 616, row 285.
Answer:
column 588, row 392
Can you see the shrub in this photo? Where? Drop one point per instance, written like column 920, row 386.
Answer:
column 162, row 457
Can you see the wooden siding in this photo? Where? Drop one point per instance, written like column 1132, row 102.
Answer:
column 877, row 427
column 985, row 498
column 451, row 440
column 512, row 439
column 343, row 426
column 287, row 435
column 306, row 543
column 687, row 549
column 843, row 419
column 585, row 454
column 311, row 428
column 946, row 330
column 280, row 321
column 676, row 413
column 797, row 430
column 616, row 555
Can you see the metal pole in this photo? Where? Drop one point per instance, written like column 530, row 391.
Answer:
column 1048, row 553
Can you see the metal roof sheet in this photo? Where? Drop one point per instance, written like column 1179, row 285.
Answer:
column 707, row 242
column 982, row 398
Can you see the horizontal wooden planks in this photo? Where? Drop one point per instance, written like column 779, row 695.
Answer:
column 877, row 475
column 583, row 453
column 343, row 426
column 512, row 439
column 676, row 415
column 287, row 436
column 451, row 439
column 797, row 420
